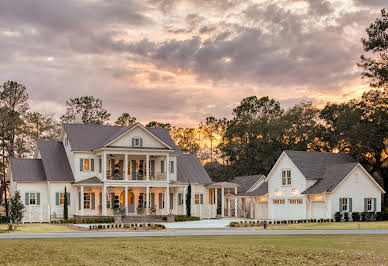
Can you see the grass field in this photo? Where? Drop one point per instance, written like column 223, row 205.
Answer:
column 222, row 250
column 38, row 228
column 330, row 226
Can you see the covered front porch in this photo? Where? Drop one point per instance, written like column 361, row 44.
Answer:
column 130, row 200
column 226, row 207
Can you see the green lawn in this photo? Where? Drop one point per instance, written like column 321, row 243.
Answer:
column 331, row 226
column 38, row 228
column 222, row 250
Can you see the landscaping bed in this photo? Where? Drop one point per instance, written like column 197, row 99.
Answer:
column 125, row 227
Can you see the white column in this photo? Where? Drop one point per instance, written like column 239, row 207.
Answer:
column 176, row 201
column 216, row 199
column 148, row 167
column 184, row 201
column 126, row 166
column 126, row 200
column 235, row 202
column 168, row 166
column 103, row 200
column 222, row 202
column 147, row 199
column 104, row 165
column 167, row 200
column 82, row 200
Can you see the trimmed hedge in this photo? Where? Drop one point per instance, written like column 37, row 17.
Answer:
column 183, row 218
column 97, row 220
column 133, row 226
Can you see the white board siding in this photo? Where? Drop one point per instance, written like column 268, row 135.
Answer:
column 356, row 186
column 148, row 140
column 298, row 182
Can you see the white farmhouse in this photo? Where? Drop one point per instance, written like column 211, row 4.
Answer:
column 308, row 185
column 112, row 171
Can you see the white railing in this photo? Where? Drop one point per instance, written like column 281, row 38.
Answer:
column 36, row 214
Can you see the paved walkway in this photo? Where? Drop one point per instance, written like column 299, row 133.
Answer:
column 193, row 232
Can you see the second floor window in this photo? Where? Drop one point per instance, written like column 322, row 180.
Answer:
column 137, row 142
column 86, row 164
column 172, row 166
column 286, row 177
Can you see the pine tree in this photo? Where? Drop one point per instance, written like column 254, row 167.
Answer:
column 65, row 206
column 16, row 208
column 188, row 200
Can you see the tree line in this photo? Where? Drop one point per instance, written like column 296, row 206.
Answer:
column 249, row 142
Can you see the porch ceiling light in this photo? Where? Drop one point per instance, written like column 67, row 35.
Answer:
column 318, row 197
column 294, row 191
column 277, row 192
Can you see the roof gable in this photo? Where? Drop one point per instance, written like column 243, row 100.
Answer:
column 246, row 182
column 55, row 162
column 115, row 140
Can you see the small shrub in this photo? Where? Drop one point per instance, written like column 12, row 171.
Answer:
column 232, row 224
column 355, row 216
column 337, row 217
column 346, row 216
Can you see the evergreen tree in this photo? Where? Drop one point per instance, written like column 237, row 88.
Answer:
column 65, row 206
column 188, row 200
column 16, row 208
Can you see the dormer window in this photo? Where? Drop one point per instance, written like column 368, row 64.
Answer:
column 137, row 142
column 286, row 177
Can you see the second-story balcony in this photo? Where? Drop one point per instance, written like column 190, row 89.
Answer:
column 138, row 176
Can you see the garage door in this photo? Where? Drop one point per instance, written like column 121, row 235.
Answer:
column 318, row 210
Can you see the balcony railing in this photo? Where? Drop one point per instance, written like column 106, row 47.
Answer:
column 157, row 176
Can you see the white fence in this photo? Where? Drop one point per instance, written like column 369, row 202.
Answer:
column 36, row 214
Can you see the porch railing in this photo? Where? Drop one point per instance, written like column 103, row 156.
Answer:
column 157, row 176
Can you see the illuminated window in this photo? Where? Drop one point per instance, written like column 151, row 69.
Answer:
column 32, row 199
column 344, row 204
column 196, row 199
column 86, row 164
column 61, row 198
column 279, row 201
column 296, row 201
column 87, row 200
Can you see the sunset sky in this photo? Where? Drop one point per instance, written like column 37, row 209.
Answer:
column 179, row 61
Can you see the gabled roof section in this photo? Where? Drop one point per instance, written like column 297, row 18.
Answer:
column 332, row 176
column 55, row 162
column 190, row 170
column 27, row 170
column 246, row 182
column 260, row 191
column 87, row 137
column 313, row 164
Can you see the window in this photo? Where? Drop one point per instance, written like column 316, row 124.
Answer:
column 86, row 164
column 279, row 201
column 286, row 177
column 87, row 201
column 100, row 165
column 211, row 196
column 201, row 199
column 32, row 198
column 180, row 198
column 137, row 142
column 172, row 167
column 162, row 166
column 295, row 201
column 196, row 199
column 161, row 200
column 344, row 204
column 369, row 204
column 66, row 141
column 62, row 198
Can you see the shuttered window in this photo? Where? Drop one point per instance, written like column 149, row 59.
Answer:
column 172, row 167
column 32, row 198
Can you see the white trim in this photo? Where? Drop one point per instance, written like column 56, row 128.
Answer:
column 277, row 162
column 367, row 174
column 262, row 176
column 133, row 127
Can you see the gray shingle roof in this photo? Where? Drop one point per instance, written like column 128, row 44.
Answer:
column 313, row 164
column 55, row 162
column 91, row 180
column 190, row 170
column 29, row 170
column 224, row 184
column 332, row 176
column 260, row 191
column 246, row 182
column 87, row 137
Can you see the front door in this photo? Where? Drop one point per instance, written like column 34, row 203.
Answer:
column 131, row 200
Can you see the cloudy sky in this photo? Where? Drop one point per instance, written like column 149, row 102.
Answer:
column 179, row 61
